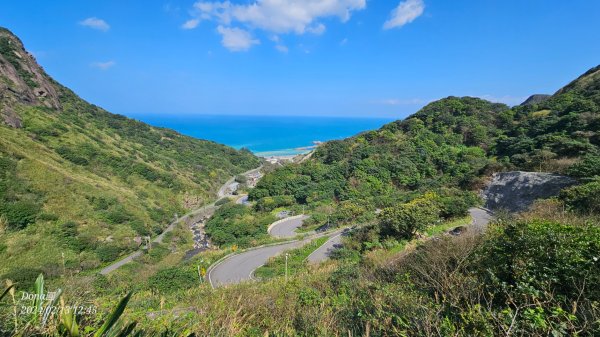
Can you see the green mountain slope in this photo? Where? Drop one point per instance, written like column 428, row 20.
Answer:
column 449, row 145
column 78, row 184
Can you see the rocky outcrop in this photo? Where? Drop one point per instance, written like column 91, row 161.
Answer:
column 22, row 80
column 10, row 118
column 516, row 191
column 535, row 99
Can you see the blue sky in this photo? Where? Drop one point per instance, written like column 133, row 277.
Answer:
column 314, row 57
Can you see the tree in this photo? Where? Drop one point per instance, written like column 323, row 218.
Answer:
column 405, row 220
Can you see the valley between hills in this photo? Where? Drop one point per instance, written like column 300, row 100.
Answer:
column 467, row 218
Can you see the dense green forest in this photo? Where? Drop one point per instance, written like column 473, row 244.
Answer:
column 449, row 147
column 78, row 184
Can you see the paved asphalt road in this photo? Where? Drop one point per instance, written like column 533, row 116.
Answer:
column 240, row 267
column 287, row 229
column 208, row 208
column 481, row 217
column 322, row 253
column 222, row 193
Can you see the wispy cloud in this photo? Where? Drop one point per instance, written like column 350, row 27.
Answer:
column 279, row 45
column 191, row 24
column 236, row 39
column 406, row 12
column 95, row 23
column 281, row 48
column 104, row 65
column 170, row 8
column 276, row 17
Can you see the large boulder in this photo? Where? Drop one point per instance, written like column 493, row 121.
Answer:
column 516, row 191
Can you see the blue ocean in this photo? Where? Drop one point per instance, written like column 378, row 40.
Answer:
column 266, row 135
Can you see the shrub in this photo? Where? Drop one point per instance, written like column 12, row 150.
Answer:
column 235, row 224
column 88, row 260
column 543, row 260
column 139, row 227
column 587, row 168
column 72, row 156
column 19, row 214
column 584, row 198
column 173, row 279
column 102, row 203
column 108, row 252
column 23, row 276
column 157, row 252
column 455, row 203
column 405, row 220
column 270, row 203
column 117, row 215
column 348, row 212
column 47, row 217
column 222, row 201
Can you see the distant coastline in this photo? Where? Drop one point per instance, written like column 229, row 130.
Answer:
column 267, row 136
column 288, row 152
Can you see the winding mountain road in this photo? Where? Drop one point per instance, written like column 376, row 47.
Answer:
column 223, row 191
column 287, row 228
column 237, row 268
column 324, row 251
column 240, row 267
column 205, row 210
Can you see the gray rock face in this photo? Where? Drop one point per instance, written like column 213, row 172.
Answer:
column 535, row 99
column 10, row 118
column 516, row 191
column 22, row 80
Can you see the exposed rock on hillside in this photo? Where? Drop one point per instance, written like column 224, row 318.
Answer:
column 535, row 99
column 22, row 80
column 516, row 191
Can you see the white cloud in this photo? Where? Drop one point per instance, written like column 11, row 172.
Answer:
column 344, row 42
column 236, row 39
column 104, row 65
column 191, row 24
column 282, row 48
column 317, row 29
column 406, row 12
column 278, row 16
column 95, row 23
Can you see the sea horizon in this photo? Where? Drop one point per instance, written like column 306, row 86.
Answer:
column 264, row 135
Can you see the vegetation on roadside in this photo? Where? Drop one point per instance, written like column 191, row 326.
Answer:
column 234, row 224
column 296, row 261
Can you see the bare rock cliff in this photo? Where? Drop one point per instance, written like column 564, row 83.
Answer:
column 22, row 80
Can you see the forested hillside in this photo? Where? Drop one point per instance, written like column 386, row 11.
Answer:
column 79, row 184
column 450, row 145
